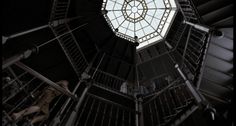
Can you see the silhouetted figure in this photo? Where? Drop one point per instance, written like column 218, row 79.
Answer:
column 42, row 104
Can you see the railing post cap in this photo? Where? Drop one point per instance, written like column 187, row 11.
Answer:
column 176, row 65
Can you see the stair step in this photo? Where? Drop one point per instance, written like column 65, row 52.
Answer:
column 220, row 52
column 216, row 76
column 215, row 89
column 225, row 22
column 218, row 14
column 212, row 5
column 218, row 64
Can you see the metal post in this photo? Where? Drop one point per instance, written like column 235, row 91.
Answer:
column 57, row 120
column 53, row 23
column 185, row 47
column 18, row 57
column 196, row 95
column 168, row 45
column 136, row 112
column 203, row 64
column 73, row 115
column 5, row 38
column 141, row 120
column 198, row 26
column 46, row 80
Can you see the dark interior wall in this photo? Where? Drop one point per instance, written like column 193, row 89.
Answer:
column 52, row 63
column 157, row 67
column 24, row 14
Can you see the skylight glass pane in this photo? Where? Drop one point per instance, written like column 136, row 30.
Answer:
column 148, row 1
column 114, row 23
column 118, row 13
column 122, row 30
column 110, row 5
column 130, row 33
column 149, row 29
column 111, row 15
column 120, row 20
column 139, row 33
column 131, row 27
column 117, row 7
column 160, row 3
column 151, row 5
column 140, row 18
column 143, row 23
column 137, row 26
column 125, row 24
column 155, row 23
column 159, row 13
column 148, row 18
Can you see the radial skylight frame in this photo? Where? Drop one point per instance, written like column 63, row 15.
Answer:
column 142, row 21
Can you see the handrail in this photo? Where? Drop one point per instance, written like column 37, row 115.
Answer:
column 46, row 80
column 203, row 63
column 108, row 74
column 156, row 94
column 196, row 11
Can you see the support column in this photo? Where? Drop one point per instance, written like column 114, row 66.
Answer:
column 5, row 38
column 46, row 80
column 168, row 45
column 196, row 94
column 185, row 47
column 141, row 120
column 136, row 112
column 73, row 116
column 18, row 57
column 198, row 26
column 89, row 82
column 53, row 23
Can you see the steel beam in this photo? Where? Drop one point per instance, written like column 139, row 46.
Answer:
column 195, row 93
column 46, row 80
column 18, row 57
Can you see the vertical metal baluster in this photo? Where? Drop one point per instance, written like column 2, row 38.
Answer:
column 150, row 110
column 117, row 115
column 130, row 117
column 158, row 116
column 24, row 99
column 83, row 108
column 110, row 115
column 99, row 104
column 103, row 115
column 94, row 101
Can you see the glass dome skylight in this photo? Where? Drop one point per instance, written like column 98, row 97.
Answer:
column 142, row 21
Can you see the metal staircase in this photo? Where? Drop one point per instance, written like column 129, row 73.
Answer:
column 166, row 105
column 101, row 102
column 65, row 36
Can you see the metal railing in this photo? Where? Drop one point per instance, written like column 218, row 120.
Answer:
column 68, row 41
column 26, row 92
column 189, row 10
column 59, row 9
column 193, row 53
column 97, row 111
column 165, row 105
column 71, row 48
column 107, row 80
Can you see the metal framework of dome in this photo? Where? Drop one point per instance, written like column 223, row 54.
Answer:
column 142, row 21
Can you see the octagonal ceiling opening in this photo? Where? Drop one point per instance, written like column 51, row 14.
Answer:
column 143, row 21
